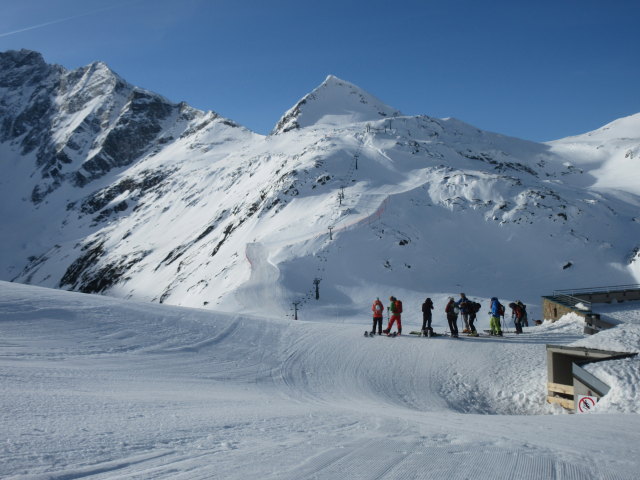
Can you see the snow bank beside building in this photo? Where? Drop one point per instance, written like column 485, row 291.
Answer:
column 623, row 375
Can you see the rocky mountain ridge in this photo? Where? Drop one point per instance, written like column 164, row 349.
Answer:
column 82, row 124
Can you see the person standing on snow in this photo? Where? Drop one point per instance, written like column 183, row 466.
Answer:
column 497, row 310
column 465, row 308
column 395, row 308
column 516, row 315
column 452, row 316
column 377, row 308
column 473, row 309
column 427, row 306
column 525, row 317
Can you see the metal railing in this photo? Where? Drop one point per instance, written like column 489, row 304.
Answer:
column 585, row 291
column 574, row 302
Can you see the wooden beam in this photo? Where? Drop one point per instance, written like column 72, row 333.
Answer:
column 560, row 388
column 563, row 402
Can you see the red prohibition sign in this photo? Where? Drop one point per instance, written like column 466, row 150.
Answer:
column 586, row 404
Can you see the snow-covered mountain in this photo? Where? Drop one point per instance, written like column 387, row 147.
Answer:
column 113, row 189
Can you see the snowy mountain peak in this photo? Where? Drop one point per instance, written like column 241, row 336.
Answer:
column 335, row 102
column 101, row 69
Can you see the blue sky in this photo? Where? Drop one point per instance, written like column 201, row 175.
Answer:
column 536, row 70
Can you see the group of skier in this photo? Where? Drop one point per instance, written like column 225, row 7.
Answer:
column 465, row 307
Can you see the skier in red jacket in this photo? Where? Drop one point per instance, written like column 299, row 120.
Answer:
column 395, row 307
column 377, row 308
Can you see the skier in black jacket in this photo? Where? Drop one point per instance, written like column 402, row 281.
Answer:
column 474, row 307
column 452, row 316
column 427, row 306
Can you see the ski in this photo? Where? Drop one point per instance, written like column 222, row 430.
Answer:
column 493, row 334
column 488, row 334
column 422, row 334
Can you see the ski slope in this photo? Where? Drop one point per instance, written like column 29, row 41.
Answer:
column 97, row 387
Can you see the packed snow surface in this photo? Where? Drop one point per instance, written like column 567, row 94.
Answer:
column 97, row 387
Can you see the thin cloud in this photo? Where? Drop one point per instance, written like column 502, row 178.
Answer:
column 60, row 20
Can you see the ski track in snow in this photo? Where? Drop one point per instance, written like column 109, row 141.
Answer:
column 95, row 387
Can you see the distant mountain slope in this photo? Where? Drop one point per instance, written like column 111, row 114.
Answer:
column 109, row 188
column 610, row 154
